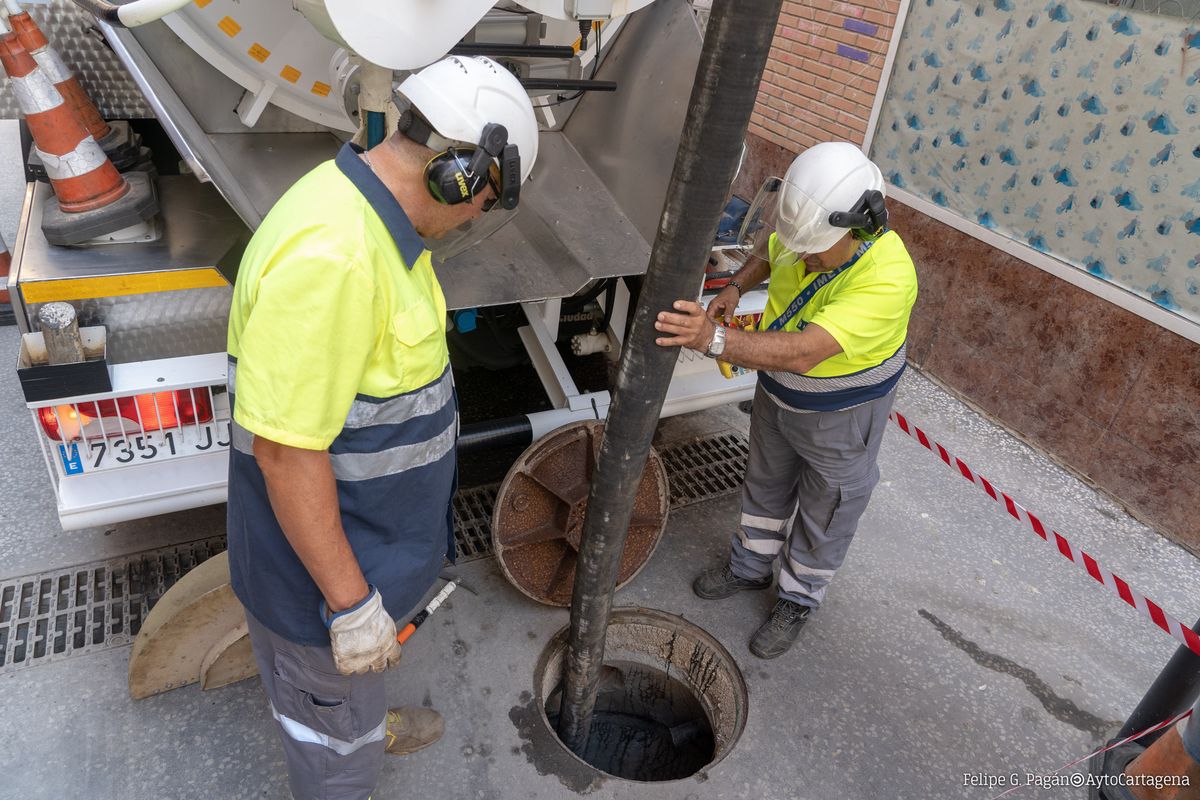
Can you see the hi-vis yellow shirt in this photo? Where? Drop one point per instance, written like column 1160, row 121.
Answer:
column 866, row 308
column 328, row 311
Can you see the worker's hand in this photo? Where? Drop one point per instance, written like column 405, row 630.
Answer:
column 363, row 637
column 724, row 305
column 689, row 328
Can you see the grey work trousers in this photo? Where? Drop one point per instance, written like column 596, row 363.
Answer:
column 808, row 479
column 332, row 725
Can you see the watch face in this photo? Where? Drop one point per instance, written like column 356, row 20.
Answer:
column 717, row 345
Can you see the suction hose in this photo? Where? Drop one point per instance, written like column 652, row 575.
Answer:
column 731, row 64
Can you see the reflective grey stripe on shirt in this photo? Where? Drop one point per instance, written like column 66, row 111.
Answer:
column 859, row 380
column 243, row 440
column 394, row 460
column 426, row 400
column 302, row 733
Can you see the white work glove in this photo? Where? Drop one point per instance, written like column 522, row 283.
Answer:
column 363, row 638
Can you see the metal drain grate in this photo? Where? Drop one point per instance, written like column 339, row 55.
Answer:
column 473, row 521
column 91, row 607
column 77, row 610
column 705, row 467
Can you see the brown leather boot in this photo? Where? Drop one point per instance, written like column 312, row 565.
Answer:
column 410, row 729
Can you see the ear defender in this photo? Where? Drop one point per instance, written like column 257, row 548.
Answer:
column 457, row 175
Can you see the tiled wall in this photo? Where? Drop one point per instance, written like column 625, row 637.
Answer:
column 1070, row 127
column 1112, row 396
column 1106, row 393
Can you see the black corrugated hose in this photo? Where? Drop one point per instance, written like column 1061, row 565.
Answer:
column 727, row 77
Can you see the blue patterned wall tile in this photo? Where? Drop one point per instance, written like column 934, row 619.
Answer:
column 1124, row 25
column 1126, row 199
column 1163, row 156
column 1107, row 161
column 1058, row 12
column 1160, row 123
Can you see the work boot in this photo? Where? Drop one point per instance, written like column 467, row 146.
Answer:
column 779, row 632
column 719, row 583
column 412, row 729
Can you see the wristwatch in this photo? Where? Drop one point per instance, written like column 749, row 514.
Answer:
column 717, row 346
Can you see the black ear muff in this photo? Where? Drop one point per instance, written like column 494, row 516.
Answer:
column 868, row 215
column 455, row 176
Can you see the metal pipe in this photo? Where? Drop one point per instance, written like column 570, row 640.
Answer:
column 1175, row 688
column 568, row 85
column 734, row 53
column 513, row 50
column 507, row 432
column 130, row 15
column 376, row 128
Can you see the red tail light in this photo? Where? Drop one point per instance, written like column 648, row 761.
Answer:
column 147, row 412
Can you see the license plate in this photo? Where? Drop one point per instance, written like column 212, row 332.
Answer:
column 140, row 448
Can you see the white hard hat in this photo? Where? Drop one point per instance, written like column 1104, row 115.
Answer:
column 826, row 178
column 459, row 95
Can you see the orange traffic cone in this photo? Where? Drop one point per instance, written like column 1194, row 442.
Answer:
column 119, row 143
column 84, row 180
column 34, row 41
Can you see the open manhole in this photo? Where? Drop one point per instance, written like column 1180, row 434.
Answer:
column 671, row 701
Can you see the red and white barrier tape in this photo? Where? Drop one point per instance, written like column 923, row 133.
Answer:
column 1164, row 724
column 1144, row 605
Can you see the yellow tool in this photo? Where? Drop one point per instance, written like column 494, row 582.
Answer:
column 731, row 370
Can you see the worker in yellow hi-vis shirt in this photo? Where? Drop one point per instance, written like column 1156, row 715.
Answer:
column 829, row 351
column 344, row 416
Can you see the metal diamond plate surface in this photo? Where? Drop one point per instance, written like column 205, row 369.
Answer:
column 143, row 327
column 73, row 33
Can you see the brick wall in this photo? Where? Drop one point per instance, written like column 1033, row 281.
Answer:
column 825, row 65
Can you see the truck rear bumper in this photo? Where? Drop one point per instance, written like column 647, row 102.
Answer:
column 107, row 497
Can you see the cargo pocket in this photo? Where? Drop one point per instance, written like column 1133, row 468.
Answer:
column 315, row 700
column 852, row 502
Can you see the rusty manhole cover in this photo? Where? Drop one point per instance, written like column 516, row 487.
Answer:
column 540, row 507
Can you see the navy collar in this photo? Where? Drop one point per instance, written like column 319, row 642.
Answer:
column 382, row 202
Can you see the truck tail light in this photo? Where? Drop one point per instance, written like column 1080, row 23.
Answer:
column 147, row 412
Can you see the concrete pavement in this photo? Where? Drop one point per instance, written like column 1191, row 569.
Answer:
column 953, row 641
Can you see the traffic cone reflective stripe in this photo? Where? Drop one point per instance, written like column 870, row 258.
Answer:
column 83, row 177
column 34, row 41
